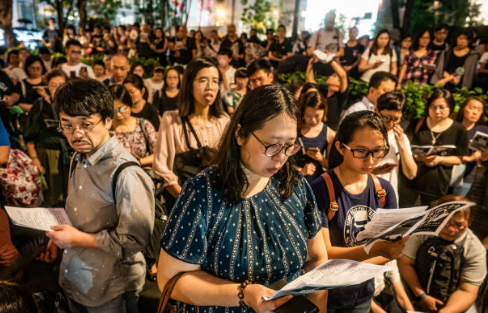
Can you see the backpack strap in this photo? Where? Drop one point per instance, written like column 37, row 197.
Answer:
column 380, row 192
column 419, row 124
column 332, row 197
column 119, row 169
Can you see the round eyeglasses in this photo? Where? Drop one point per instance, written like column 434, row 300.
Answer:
column 274, row 149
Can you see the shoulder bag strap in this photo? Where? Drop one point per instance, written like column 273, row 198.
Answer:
column 419, row 124
column 332, row 197
column 72, row 164
column 142, row 125
column 193, row 132
column 119, row 170
column 167, row 291
column 185, row 131
column 380, row 192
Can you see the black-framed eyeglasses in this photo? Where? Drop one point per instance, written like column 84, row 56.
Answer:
column 364, row 153
column 388, row 119
column 274, row 149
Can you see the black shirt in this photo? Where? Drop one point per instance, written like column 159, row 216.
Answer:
column 280, row 49
column 434, row 181
column 28, row 92
column 235, row 46
column 335, row 106
column 164, row 103
column 149, row 113
column 351, row 54
column 453, row 62
column 185, row 49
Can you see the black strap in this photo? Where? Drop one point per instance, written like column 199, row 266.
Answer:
column 185, row 120
column 119, row 169
column 142, row 124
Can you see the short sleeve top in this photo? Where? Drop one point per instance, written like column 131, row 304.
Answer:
column 262, row 238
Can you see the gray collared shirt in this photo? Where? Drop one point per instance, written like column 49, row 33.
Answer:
column 363, row 105
column 122, row 226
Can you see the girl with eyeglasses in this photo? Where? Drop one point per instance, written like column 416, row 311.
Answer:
column 450, row 139
column 348, row 195
column 248, row 221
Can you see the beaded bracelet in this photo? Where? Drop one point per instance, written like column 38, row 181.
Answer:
column 240, row 295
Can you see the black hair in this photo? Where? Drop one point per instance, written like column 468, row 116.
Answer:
column 349, row 126
column 416, row 40
column 120, row 93
column 392, row 101
column 307, row 86
column 15, row 298
column 162, row 31
column 441, row 26
column 159, row 69
column 257, row 107
column 437, row 94
column 225, row 51
column 261, row 64
column 169, row 69
column 464, row 32
column 380, row 77
column 134, row 65
column 54, row 73
column 99, row 62
column 72, row 42
column 137, row 82
column 460, row 115
column 44, row 50
column 52, row 19
column 186, row 99
column 12, row 52
column 387, row 48
column 84, row 97
column 180, row 69
column 282, row 26
column 313, row 99
column 270, row 30
column 31, row 59
column 241, row 72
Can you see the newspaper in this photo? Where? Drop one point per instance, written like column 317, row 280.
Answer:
column 441, row 150
column 479, row 142
column 427, row 222
column 331, row 274
column 37, row 218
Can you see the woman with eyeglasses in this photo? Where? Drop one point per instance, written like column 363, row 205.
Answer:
column 390, row 107
column 200, row 122
column 248, row 221
column 438, row 143
column 28, row 87
column 46, row 146
column 348, row 195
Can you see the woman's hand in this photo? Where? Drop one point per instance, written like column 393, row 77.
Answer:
column 37, row 163
column 473, row 157
column 315, row 154
column 253, row 297
column 433, row 160
column 388, row 249
column 308, row 169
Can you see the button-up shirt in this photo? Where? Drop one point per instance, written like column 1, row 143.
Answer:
column 122, row 226
column 363, row 105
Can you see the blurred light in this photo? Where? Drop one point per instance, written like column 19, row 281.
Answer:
column 220, row 13
column 276, row 12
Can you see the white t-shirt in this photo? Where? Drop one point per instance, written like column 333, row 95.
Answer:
column 152, row 86
column 16, row 74
column 76, row 69
column 393, row 156
column 229, row 77
column 326, row 38
column 385, row 67
column 484, row 58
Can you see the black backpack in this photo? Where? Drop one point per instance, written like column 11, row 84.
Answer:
column 438, row 265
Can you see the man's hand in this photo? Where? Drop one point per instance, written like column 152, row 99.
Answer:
column 66, row 236
column 83, row 73
column 308, row 169
column 49, row 254
column 430, row 303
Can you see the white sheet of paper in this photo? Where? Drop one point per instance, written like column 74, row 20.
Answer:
column 331, row 274
column 37, row 218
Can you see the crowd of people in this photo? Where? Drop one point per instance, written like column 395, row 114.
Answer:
column 208, row 175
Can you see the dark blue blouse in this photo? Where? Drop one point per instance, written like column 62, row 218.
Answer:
column 261, row 238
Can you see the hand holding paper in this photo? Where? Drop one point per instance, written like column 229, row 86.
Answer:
column 37, row 218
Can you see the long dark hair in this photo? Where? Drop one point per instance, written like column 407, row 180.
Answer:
column 31, row 59
column 137, row 82
column 349, row 126
column 460, row 115
column 186, row 99
column 416, row 40
column 437, row 94
column 387, row 48
column 257, row 107
column 120, row 93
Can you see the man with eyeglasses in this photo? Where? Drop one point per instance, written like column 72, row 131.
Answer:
column 380, row 83
column 74, row 68
column 390, row 107
column 110, row 204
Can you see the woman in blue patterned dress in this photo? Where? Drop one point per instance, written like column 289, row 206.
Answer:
column 252, row 216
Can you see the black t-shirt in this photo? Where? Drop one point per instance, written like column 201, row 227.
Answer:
column 27, row 91
column 439, row 48
column 164, row 103
column 351, row 54
column 434, row 181
column 454, row 62
column 470, row 172
column 149, row 113
column 280, row 49
column 236, row 47
column 185, row 49
column 335, row 106
column 6, row 89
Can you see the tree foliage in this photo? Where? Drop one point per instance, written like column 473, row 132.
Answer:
column 6, row 22
column 259, row 15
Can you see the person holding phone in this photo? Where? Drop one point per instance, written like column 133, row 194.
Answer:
column 74, row 68
column 315, row 136
column 380, row 57
column 390, row 107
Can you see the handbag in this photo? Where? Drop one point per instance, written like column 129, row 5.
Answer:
column 20, row 181
column 188, row 164
column 163, row 306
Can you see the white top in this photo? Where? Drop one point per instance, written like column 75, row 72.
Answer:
column 16, row 74
column 385, row 67
column 76, row 69
column 325, row 38
column 363, row 105
column 229, row 77
column 393, row 276
column 484, row 58
column 393, row 156
column 152, row 86
column 48, row 64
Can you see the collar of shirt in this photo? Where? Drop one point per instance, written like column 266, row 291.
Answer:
column 101, row 152
column 369, row 106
